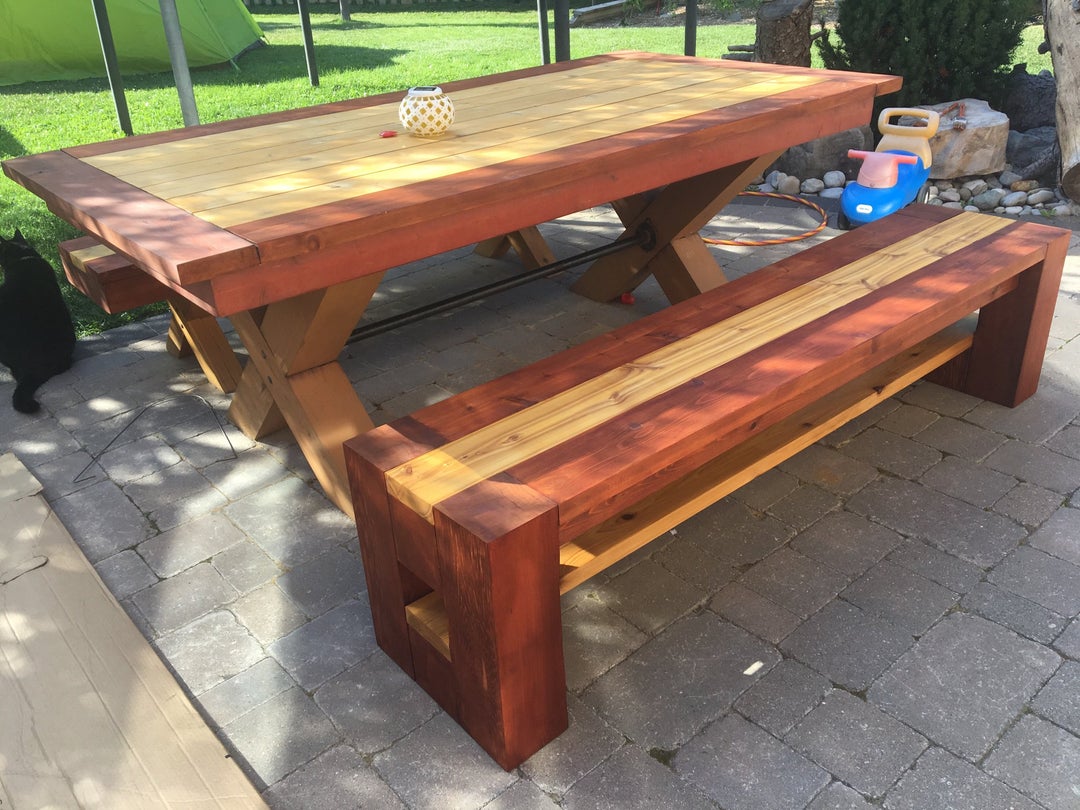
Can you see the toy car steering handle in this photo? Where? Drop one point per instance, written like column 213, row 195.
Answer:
column 928, row 131
column 879, row 169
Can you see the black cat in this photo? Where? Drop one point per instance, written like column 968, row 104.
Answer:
column 37, row 337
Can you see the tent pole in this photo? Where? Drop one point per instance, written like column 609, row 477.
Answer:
column 545, row 42
column 112, row 68
column 171, row 20
column 309, row 44
column 562, row 30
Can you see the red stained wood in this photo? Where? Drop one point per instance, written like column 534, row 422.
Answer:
column 112, row 282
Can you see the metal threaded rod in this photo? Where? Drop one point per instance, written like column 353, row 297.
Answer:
column 643, row 237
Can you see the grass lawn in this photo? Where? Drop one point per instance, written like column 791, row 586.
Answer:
column 379, row 51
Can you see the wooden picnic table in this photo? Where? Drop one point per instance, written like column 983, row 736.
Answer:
column 286, row 222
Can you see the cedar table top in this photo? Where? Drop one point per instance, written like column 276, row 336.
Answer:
column 253, row 210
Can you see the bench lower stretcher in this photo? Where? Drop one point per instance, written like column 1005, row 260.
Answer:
column 474, row 514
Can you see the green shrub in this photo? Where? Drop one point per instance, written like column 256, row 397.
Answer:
column 944, row 49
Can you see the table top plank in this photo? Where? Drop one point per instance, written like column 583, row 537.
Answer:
column 252, row 209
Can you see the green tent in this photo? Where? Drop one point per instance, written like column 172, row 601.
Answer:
column 57, row 39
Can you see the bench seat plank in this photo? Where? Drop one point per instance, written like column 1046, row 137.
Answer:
column 475, row 513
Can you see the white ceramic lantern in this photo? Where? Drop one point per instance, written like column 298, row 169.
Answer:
column 426, row 111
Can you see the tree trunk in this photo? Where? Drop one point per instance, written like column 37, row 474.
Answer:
column 783, row 32
column 344, row 4
column 1062, row 21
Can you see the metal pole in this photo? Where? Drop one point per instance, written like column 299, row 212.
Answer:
column 175, row 39
column 690, row 34
column 112, row 68
column 309, row 44
column 562, row 30
column 545, row 44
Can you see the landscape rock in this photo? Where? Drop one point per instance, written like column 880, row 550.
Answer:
column 988, row 200
column 977, row 149
column 814, row 158
column 1014, row 198
column 812, row 185
column 1041, row 196
column 834, row 179
column 789, row 184
column 1030, row 99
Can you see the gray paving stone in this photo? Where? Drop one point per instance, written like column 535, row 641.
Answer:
column 950, row 524
column 217, row 443
column 693, row 671
column 734, row 534
column 844, row 434
column 201, row 499
column 857, row 742
column 805, row 506
column 1035, row 420
column 1068, row 643
column 1015, row 612
column 320, row 649
column 649, row 596
column 685, row 558
column 847, row 645
column 273, row 749
column 900, row 595
column 595, row 638
column 245, row 566
column 1035, row 575
column 125, row 574
column 907, row 420
column 179, row 549
column 587, row 742
column 138, row 459
column 783, row 697
column 456, row 771
column 742, row 767
column 521, row 796
column 766, row 489
column 632, row 780
column 1037, row 465
column 249, row 472
column 1066, row 441
column 968, row 481
column 162, row 491
column 939, row 399
column 754, row 612
column 1059, row 700
column 839, row 796
column 793, row 581
column 1020, row 760
column 1060, row 535
column 102, row 520
column 846, row 542
column 1028, row 504
column 268, row 613
column 945, row 569
column 830, row 469
column 374, row 703
column 174, row 602
column 239, row 694
column 887, row 451
column 209, row 650
column 940, row 779
column 329, row 580
column 959, row 438
column 963, row 682
column 291, row 522
column 335, row 780
column 64, row 475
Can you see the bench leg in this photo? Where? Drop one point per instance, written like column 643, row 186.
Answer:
column 528, row 243
column 1006, row 357
column 467, row 606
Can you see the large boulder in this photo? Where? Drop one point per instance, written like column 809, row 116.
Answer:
column 1034, row 155
column 815, row 158
column 1031, row 99
column 977, row 149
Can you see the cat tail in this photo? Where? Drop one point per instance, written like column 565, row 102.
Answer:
column 23, row 399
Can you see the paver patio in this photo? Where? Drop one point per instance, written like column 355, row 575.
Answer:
column 891, row 618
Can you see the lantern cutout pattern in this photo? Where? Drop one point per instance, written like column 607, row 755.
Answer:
column 426, row 111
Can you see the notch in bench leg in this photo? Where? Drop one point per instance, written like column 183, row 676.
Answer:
column 500, row 587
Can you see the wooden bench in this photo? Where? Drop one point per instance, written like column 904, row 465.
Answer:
column 474, row 514
column 116, row 285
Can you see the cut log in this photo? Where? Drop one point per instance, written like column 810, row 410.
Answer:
column 1062, row 22
column 783, row 32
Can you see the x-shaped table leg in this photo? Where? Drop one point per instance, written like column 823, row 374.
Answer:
column 680, row 260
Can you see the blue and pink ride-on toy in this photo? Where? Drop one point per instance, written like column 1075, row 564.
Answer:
column 893, row 175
